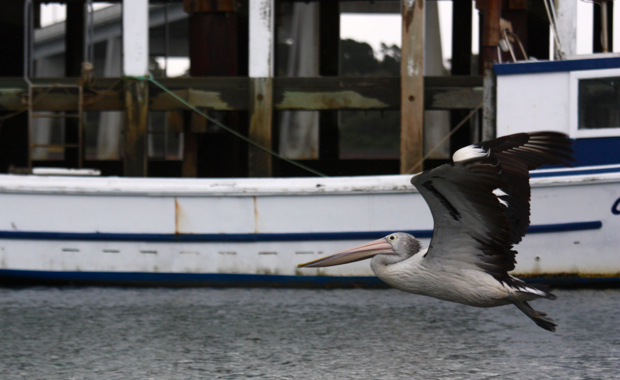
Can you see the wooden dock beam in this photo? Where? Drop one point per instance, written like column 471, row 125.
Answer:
column 412, row 87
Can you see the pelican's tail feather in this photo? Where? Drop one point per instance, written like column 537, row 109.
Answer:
column 530, row 292
column 538, row 317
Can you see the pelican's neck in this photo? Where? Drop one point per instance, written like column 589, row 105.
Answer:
column 382, row 263
column 402, row 273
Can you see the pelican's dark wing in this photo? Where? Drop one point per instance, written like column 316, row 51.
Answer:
column 481, row 202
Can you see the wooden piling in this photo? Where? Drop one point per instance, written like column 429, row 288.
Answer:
column 261, row 114
column 135, row 64
column 261, row 56
column 461, row 66
column 13, row 131
column 215, row 33
column 492, row 10
column 136, row 119
column 75, row 25
column 329, row 47
column 412, row 87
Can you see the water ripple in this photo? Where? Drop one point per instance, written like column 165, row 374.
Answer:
column 99, row 333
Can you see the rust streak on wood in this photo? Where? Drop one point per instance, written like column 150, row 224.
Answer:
column 261, row 113
column 412, row 86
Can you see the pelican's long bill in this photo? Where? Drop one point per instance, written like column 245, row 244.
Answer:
column 361, row 252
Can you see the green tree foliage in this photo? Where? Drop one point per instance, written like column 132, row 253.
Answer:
column 359, row 59
column 369, row 134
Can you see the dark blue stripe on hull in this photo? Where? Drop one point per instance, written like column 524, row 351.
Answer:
column 561, row 173
column 556, row 66
column 597, row 151
column 30, row 278
column 564, row 227
column 250, row 238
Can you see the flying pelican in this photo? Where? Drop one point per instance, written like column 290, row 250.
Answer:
column 481, row 207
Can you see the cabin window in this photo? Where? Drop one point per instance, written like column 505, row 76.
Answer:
column 594, row 103
column 599, row 103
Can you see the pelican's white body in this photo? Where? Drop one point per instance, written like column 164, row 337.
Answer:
column 448, row 281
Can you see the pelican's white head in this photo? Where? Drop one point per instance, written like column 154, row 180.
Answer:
column 403, row 245
column 388, row 250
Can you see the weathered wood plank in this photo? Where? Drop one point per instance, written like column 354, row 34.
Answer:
column 232, row 94
column 412, row 87
column 261, row 116
column 241, row 83
column 216, row 93
column 437, row 98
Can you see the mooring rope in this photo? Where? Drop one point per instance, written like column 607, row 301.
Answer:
column 459, row 125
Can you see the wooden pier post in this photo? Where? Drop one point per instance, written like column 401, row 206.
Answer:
column 136, row 119
column 492, row 10
column 566, row 22
column 217, row 30
column 14, row 131
column 461, row 66
column 329, row 47
column 135, row 63
column 603, row 27
column 261, row 116
column 412, row 86
column 261, row 49
column 75, row 39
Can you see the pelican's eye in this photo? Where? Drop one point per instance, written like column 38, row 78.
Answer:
column 392, row 237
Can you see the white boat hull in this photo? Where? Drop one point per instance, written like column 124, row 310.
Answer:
column 254, row 232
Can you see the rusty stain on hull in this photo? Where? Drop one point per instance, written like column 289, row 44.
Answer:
column 255, row 215
column 177, row 212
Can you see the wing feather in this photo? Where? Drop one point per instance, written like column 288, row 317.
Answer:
column 475, row 224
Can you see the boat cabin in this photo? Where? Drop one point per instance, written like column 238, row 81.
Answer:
column 579, row 97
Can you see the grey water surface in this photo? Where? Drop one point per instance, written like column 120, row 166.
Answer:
column 109, row 333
